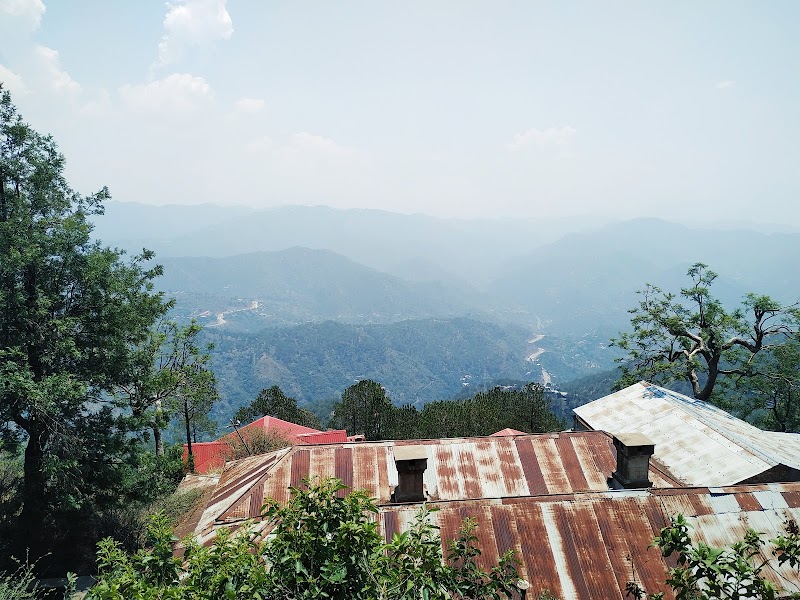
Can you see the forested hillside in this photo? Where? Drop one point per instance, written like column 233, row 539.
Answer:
column 417, row 361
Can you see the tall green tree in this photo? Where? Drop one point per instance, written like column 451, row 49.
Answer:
column 692, row 337
column 71, row 311
column 364, row 408
column 170, row 367
column 773, row 393
column 273, row 402
column 196, row 392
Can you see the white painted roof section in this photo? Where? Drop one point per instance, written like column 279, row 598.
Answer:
column 697, row 442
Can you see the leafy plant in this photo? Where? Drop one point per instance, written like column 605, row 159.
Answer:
column 704, row 572
column 323, row 544
column 19, row 584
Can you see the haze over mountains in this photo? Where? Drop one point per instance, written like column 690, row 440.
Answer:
column 247, row 275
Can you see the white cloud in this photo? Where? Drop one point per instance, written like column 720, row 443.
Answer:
column 98, row 106
column 250, row 105
column 309, row 144
column 303, row 150
column 724, row 85
column 12, row 82
column 54, row 78
column 191, row 23
column 29, row 11
column 555, row 136
column 177, row 93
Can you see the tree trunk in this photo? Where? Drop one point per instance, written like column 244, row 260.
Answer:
column 157, row 429
column 705, row 393
column 158, row 439
column 34, row 490
column 190, row 456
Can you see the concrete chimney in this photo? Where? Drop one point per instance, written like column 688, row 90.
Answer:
column 411, row 462
column 633, row 461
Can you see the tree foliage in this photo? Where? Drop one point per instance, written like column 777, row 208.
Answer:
column 171, row 370
column 324, row 544
column 71, row 312
column 704, row 572
column 772, row 393
column 692, row 337
column 274, row 403
column 196, row 389
column 366, row 409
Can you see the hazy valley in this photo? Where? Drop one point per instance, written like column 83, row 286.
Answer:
column 313, row 298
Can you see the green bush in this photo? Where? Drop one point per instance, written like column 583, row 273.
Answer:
column 704, row 572
column 19, row 584
column 323, row 544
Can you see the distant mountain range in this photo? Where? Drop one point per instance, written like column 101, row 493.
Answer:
column 466, row 249
column 251, row 291
column 311, row 298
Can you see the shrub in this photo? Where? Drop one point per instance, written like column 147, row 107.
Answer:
column 255, row 441
column 323, row 544
column 19, row 584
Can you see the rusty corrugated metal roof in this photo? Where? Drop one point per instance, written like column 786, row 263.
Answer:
column 458, row 469
column 322, row 437
column 588, row 545
column 697, row 442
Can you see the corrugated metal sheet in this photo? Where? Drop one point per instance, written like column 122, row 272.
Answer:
column 458, row 469
column 544, row 496
column 589, row 545
column 697, row 443
column 322, row 437
column 208, row 456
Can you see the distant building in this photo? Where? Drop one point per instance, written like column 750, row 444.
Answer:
column 210, row 456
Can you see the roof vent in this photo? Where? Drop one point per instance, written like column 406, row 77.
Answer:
column 633, row 461
column 411, row 462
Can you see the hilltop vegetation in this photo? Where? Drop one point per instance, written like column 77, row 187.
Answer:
column 417, row 361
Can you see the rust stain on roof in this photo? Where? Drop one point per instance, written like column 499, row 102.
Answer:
column 543, row 496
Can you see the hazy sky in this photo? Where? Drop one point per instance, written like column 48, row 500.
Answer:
column 670, row 108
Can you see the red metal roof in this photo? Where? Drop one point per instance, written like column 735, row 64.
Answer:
column 273, row 424
column 508, row 431
column 208, row 456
